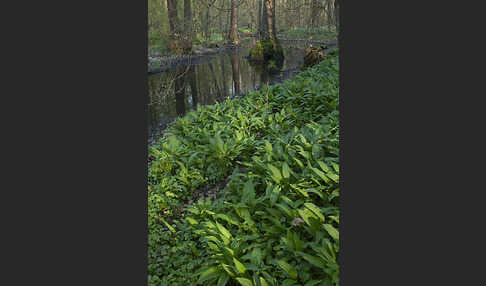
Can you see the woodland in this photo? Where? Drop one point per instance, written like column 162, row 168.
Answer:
column 244, row 190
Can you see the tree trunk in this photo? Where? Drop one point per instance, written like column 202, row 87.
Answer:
column 259, row 18
column 251, row 26
column 264, row 22
column 233, row 32
column 208, row 36
column 187, row 26
column 270, row 19
column 174, row 29
column 314, row 13
column 336, row 14
column 329, row 15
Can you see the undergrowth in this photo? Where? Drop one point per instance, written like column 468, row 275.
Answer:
column 276, row 220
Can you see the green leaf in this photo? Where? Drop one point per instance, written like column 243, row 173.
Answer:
column 245, row 282
column 239, row 266
column 312, row 282
column 335, row 166
column 208, row 274
column 223, row 279
column 289, row 282
column 226, row 218
column 333, row 177
column 306, row 214
column 321, row 174
column 315, row 209
column 275, row 193
column 323, row 166
column 191, row 220
column 256, row 256
column 248, row 194
column 285, row 170
column 333, row 194
column 263, row 282
column 223, row 231
column 268, row 147
column 299, row 162
column 333, row 232
column 275, row 173
column 168, row 226
column 314, row 260
column 289, row 269
column 228, row 270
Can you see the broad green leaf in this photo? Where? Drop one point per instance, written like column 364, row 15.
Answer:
column 289, row 269
column 335, row 166
column 276, row 173
column 323, row 166
column 314, row 260
column 333, row 177
column 315, row 209
column 299, row 244
column 228, row 270
column 256, row 256
column 321, row 174
column 333, row 232
column 263, row 282
column 275, row 193
column 223, row 279
column 312, row 282
column 239, row 266
column 334, row 194
column 245, row 282
column 299, row 162
column 285, row 170
column 191, row 220
column 268, row 147
column 214, row 239
column 208, row 274
column 289, row 282
column 223, row 231
column 168, row 226
column 226, row 218
column 300, row 190
column 285, row 209
column 305, row 214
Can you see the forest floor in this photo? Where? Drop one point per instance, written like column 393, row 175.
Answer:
column 247, row 191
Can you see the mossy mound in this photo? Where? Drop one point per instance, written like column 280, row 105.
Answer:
column 266, row 51
column 313, row 56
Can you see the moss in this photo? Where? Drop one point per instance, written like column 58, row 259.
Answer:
column 313, row 55
column 267, row 51
column 256, row 53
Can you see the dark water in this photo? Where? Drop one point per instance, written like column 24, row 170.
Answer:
column 172, row 93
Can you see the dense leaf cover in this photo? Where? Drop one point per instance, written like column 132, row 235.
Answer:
column 276, row 220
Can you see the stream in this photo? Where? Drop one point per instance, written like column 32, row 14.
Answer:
column 212, row 78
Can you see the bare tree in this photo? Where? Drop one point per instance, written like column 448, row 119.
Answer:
column 187, row 26
column 233, row 31
column 251, row 25
column 174, row 28
column 271, row 33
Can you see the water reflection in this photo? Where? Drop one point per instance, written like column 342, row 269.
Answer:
column 174, row 92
